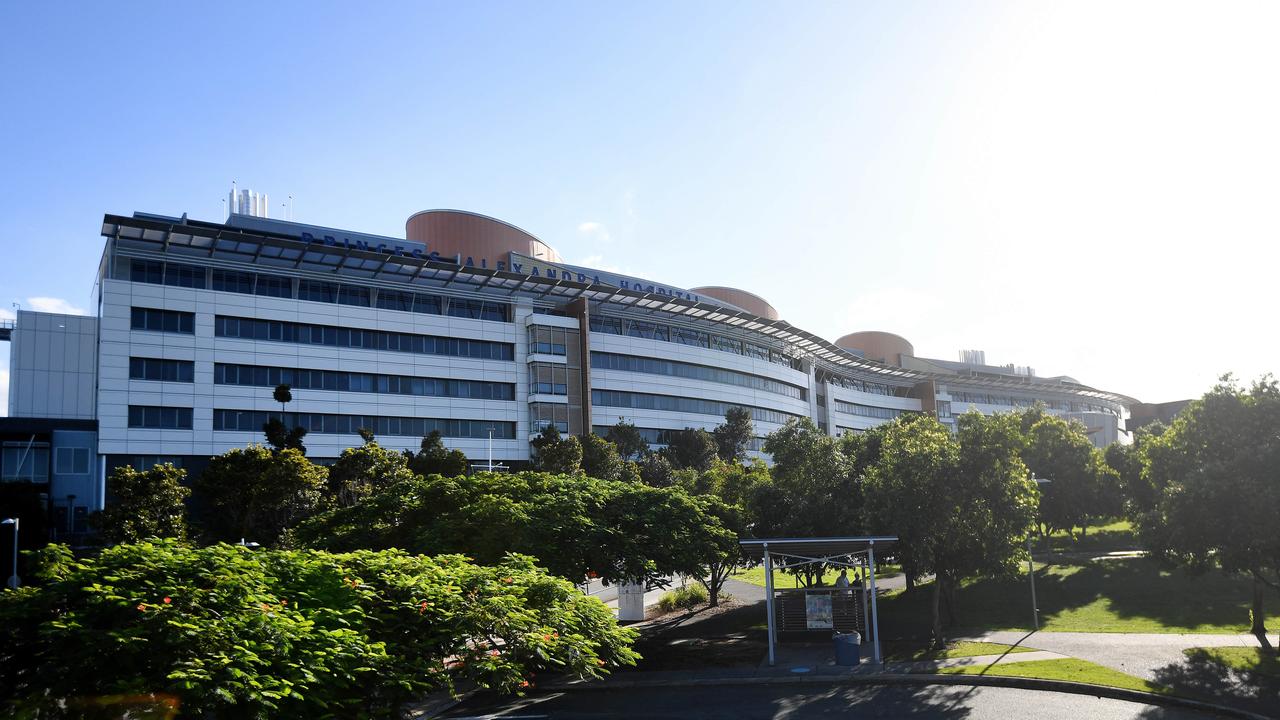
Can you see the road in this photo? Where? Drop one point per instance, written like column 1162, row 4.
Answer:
column 776, row 702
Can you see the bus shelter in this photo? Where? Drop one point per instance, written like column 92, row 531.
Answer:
column 824, row 607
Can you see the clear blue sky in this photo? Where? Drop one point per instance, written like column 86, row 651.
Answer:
column 1086, row 188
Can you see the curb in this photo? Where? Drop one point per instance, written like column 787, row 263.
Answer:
column 1064, row 686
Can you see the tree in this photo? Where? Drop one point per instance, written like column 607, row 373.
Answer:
column 727, row 487
column 435, row 459
column 655, row 470
column 145, row 629
column 600, row 457
column 734, row 434
column 361, row 471
column 689, row 448
column 279, row 435
column 627, row 439
column 814, row 492
column 150, row 503
column 555, row 454
column 1060, row 452
column 574, row 524
column 1139, row 494
column 256, row 494
column 1213, row 474
column 959, row 505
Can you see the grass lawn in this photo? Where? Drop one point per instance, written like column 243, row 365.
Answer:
column 1117, row 535
column 1247, row 659
column 1064, row 669
column 904, row 651
column 755, row 576
column 1130, row 595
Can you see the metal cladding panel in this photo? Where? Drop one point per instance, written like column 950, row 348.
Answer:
column 452, row 232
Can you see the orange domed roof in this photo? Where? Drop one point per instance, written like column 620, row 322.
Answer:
column 885, row 347
column 457, row 232
column 750, row 302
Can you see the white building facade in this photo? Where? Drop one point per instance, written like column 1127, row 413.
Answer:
column 469, row 327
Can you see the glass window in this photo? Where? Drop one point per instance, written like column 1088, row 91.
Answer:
column 162, row 320
column 233, row 281
column 147, row 271
column 161, row 418
column 274, row 286
column 191, row 276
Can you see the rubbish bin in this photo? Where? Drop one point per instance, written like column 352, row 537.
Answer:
column 848, row 648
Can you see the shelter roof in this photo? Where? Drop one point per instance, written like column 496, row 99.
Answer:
column 816, row 547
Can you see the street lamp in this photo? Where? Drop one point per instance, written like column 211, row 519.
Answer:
column 13, row 579
column 1031, row 568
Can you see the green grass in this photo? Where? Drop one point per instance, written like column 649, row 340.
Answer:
column 901, row 651
column 1245, row 659
column 1130, row 595
column 1071, row 669
column 1117, row 535
column 781, row 580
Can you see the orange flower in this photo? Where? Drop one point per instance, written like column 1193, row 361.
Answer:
column 167, row 600
column 284, row 602
column 600, row 663
column 547, row 638
column 142, row 607
column 422, row 608
column 507, row 580
column 493, row 653
column 525, row 684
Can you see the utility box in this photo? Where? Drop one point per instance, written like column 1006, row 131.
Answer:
column 630, row 602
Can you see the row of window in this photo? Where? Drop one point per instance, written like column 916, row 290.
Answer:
column 825, row 376
column 684, row 336
column 655, row 366
column 658, row 436
column 307, row 334
column 696, row 406
column 334, row 424
column 171, row 321
column 164, row 370
column 871, row 411
column 303, row 379
column 546, row 340
column 249, row 283
column 962, row 396
column 159, row 418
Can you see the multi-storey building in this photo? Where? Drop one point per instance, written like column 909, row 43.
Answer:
column 469, row 326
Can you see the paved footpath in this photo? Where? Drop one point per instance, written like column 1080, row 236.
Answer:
column 1139, row 654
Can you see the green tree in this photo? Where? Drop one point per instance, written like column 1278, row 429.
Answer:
column 1060, row 452
column 256, row 494
column 435, row 459
column 600, row 457
column 655, row 470
column 814, row 493
column 689, row 448
column 1127, row 461
column 728, row 487
column 1215, row 482
column 145, row 629
column 150, row 503
column 555, row 454
column 627, row 439
column 361, row 471
column 960, row 505
column 573, row 523
column 734, row 434
column 279, row 435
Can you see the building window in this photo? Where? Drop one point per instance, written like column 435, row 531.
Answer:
column 233, row 281
column 543, row 414
column 71, row 461
column 165, row 370
column 691, row 371
column 189, row 276
column 479, row 310
column 333, row 424
column 671, row 403
column 306, row 334
column 340, row 381
column 871, row 411
column 159, row 418
column 24, row 462
column 274, row 286
column 171, row 321
column 545, row 340
column 548, row 379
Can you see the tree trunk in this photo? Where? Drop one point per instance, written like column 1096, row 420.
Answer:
column 938, row 641
column 911, row 580
column 1259, row 627
column 951, row 602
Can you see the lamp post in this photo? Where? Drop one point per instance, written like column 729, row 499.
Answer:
column 1031, row 569
column 13, row 579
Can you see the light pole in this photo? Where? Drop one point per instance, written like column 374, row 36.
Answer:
column 13, row 579
column 1031, row 568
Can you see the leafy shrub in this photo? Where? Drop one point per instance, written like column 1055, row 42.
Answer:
column 683, row 598
column 228, row 632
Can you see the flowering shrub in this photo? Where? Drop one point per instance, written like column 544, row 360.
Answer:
column 236, row 633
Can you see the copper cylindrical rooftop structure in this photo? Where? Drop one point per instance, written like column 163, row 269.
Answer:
column 750, row 302
column 457, row 232
column 884, row 347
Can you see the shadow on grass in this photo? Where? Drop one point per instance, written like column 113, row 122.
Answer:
column 707, row 637
column 1130, row 595
column 1200, row 677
